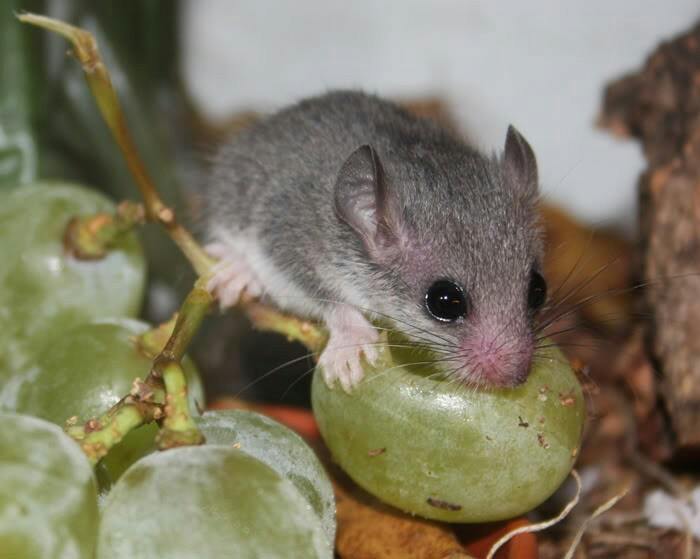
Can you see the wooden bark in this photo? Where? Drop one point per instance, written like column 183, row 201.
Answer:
column 660, row 105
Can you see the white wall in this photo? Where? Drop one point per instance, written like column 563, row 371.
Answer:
column 539, row 64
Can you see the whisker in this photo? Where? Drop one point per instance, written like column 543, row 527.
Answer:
column 374, row 312
column 265, row 375
column 588, row 281
column 312, row 355
column 570, row 274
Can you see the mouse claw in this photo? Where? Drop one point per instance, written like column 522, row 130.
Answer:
column 231, row 276
column 352, row 337
column 371, row 353
column 347, row 371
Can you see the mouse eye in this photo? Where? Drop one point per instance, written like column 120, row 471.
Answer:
column 537, row 292
column 446, row 301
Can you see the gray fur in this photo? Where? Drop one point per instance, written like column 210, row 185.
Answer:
column 463, row 215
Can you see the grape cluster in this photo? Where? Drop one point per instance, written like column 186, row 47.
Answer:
column 69, row 348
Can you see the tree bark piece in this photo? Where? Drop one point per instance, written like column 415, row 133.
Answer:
column 660, row 106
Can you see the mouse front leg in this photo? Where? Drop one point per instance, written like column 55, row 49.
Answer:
column 232, row 276
column 351, row 336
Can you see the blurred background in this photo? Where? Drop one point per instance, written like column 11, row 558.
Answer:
column 189, row 73
column 539, row 65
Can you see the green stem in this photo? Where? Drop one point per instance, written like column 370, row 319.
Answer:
column 90, row 237
column 152, row 342
column 99, row 435
column 178, row 426
column 98, row 79
column 294, row 328
column 190, row 317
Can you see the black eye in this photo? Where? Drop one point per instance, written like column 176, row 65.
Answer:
column 446, row 301
column 537, row 292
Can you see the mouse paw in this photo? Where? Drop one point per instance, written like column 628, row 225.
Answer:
column 232, row 276
column 351, row 337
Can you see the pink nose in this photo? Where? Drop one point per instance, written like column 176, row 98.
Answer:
column 495, row 360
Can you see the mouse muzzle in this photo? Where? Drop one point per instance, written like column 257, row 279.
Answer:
column 495, row 357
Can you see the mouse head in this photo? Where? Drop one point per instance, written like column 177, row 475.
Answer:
column 455, row 248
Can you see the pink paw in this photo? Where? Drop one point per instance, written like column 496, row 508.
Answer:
column 351, row 337
column 232, row 276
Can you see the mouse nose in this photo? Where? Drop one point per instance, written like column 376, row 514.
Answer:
column 497, row 359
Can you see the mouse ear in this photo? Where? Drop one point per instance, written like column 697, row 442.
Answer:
column 519, row 162
column 361, row 197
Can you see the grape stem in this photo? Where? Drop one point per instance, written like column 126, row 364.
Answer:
column 91, row 237
column 162, row 396
column 100, row 434
column 98, row 79
column 178, row 428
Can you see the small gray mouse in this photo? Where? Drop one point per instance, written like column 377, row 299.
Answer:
column 349, row 209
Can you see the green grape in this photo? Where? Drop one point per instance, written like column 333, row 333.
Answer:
column 453, row 453
column 43, row 291
column 48, row 496
column 89, row 368
column 207, row 501
column 280, row 448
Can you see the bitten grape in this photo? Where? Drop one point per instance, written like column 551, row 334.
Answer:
column 449, row 452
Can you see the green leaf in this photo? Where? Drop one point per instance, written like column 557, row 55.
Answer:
column 21, row 78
